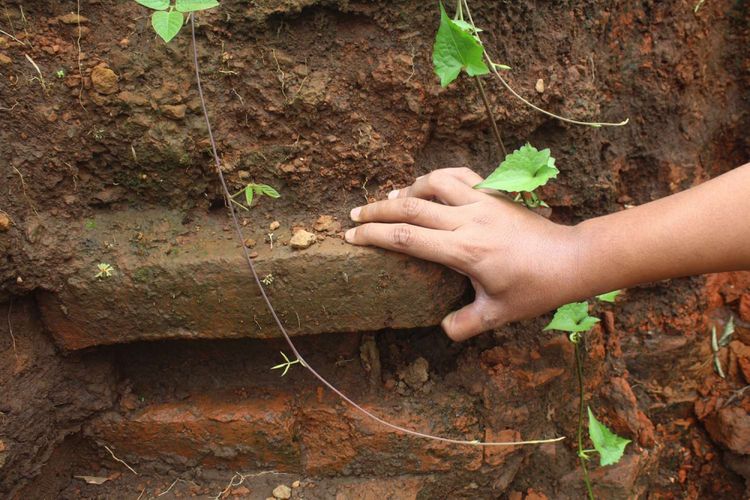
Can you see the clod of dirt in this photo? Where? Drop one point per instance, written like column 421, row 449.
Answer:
column 274, row 225
column 3, row 454
column 326, row 224
column 416, row 374
column 72, row 18
column 5, row 59
column 250, row 243
column 282, row 491
column 539, row 86
column 4, row 225
column 176, row 112
column 302, row 239
column 104, row 80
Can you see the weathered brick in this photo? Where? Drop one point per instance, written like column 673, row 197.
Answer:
column 174, row 280
column 311, row 435
column 338, row 438
column 209, row 430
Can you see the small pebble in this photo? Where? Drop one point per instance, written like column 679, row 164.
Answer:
column 250, row 243
column 282, row 492
column 274, row 225
column 4, row 222
column 539, row 86
column 296, row 484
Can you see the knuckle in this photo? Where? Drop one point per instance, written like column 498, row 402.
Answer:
column 402, row 236
column 411, row 208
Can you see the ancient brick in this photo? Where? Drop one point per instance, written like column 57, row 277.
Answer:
column 210, row 431
column 173, row 281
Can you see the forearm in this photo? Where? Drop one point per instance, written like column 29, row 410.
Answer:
column 702, row 230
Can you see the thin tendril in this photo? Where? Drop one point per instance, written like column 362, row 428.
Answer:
column 282, row 329
column 519, row 97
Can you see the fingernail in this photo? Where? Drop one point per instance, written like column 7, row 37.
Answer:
column 355, row 213
column 393, row 194
column 349, row 236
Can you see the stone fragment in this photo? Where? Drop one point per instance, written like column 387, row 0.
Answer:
column 4, row 222
column 104, row 80
column 5, row 59
column 274, row 225
column 302, row 239
column 250, row 243
column 730, row 427
column 282, row 492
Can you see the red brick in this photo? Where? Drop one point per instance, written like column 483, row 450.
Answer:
column 209, row 431
column 496, row 455
column 335, row 438
column 173, row 281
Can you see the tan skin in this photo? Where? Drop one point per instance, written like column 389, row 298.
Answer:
column 523, row 265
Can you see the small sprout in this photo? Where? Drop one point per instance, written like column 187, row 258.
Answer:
column 60, row 73
column 503, row 67
column 609, row 297
column 267, row 279
column 718, row 343
column 251, row 191
column 105, row 271
column 573, row 318
column 609, row 445
column 286, row 364
column 168, row 19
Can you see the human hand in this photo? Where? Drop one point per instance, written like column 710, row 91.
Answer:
column 520, row 264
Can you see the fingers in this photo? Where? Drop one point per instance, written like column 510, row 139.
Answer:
column 470, row 320
column 451, row 186
column 427, row 244
column 410, row 210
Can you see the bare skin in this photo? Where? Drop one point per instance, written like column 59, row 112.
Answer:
column 522, row 265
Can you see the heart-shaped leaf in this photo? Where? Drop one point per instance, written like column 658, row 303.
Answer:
column 155, row 4
column 195, row 5
column 572, row 318
column 167, row 24
column 456, row 50
column 525, row 169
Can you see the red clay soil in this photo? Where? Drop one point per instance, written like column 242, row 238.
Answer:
column 334, row 102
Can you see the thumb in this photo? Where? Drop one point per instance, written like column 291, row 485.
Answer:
column 469, row 321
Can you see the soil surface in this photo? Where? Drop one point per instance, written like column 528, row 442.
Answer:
column 334, row 103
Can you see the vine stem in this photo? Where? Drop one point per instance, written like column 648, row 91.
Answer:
column 581, row 394
column 490, row 116
column 518, row 96
column 272, row 310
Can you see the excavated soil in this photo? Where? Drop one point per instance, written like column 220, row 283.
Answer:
column 334, row 102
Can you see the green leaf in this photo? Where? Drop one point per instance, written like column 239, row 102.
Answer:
column 456, row 50
column 167, row 24
column 609, row 297
column 525, row 169
column 249, row 193
column 572, row 318
column 609, row 445
column 195, row 5
column 266, row 190
column 155, row 4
